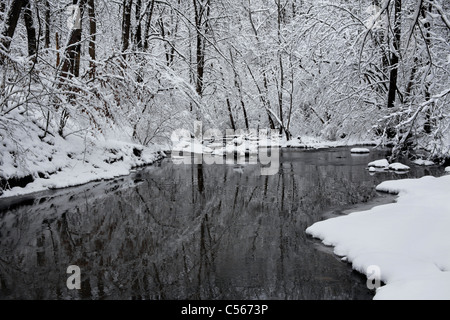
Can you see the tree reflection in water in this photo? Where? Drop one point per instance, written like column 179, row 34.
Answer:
column 189, row 232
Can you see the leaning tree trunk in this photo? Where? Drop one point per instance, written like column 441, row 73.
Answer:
column 71, row 61
column 12, row 16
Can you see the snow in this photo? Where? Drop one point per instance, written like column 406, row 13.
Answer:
column 360, row 150
column 240, row 145
column 421, row 162
column 447, row 169
column 408, row 240
column 385, row 165
column 308, row 142
column 54, row 162
column 249, row 145
column 193, row 146
column 381, row 164
column 398, row 167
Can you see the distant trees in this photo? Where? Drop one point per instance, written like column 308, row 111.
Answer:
column 334, row 69
column 417, row 101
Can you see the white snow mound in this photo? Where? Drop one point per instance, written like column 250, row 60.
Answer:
column 409, row 241
column 399, row 167
column 379, row 164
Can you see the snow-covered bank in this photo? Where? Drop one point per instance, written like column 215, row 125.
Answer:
column 36, row 164
column 244, row 144
column 409, row 241
column 307, row 142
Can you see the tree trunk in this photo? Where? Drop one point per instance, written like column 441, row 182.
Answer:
column 12, row 16
column 71, row 61
column 395, row 54
column 429, row 123
column 138, row 33
column 148, row 24
column 29, row 25
column 202, row 11
column 76, row 66
column 267, row 102
column 92, row 38
column 230, row 112
column 2, row 8
column 264, row 98
column 58, row 58
column 47, row 24
column 380, row 39
column 280, row 60
column 70, row 54
column 126, row 24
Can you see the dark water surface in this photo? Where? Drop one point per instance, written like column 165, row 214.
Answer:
column 181, row 232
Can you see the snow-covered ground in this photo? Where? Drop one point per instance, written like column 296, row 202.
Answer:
column 54, row 162
column 307, row 142
column 249, row 144
column 407, row 241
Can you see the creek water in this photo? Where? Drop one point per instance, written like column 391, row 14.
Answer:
column 193, row 232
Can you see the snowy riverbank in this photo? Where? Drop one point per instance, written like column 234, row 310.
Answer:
column 408, row 241
column 244, row 144
column 30, row 163
column 38, row 164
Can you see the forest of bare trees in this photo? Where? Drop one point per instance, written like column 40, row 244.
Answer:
column 330, row 69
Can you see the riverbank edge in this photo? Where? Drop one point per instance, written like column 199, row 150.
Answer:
column 129, row 157
column 361, row 250
column 136, row 157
